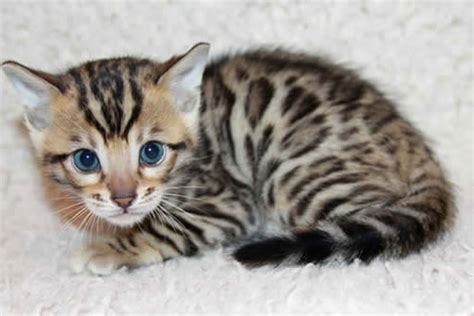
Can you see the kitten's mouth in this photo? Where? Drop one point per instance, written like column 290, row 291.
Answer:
column 126, row 218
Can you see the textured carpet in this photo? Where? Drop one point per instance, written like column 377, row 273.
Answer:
column 419, row 53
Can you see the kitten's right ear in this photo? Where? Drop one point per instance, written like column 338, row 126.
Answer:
column 36, row 88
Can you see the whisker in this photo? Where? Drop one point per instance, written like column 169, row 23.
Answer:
column 183, row 196
column 64, row 198
column 185, row 187
column 178, row 208
column 167, row 215
column 175, row 221
column 70, row 221
column 67, row 207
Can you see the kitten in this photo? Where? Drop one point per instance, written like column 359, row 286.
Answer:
column 182, row 156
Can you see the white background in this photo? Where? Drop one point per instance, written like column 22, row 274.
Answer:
column 420, row 53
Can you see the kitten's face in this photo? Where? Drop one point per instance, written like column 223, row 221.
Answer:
column 119, row 177
column 115, row 130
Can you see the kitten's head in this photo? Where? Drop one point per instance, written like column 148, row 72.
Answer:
column 110, row 132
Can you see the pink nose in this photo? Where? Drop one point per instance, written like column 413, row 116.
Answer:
column 123, row 201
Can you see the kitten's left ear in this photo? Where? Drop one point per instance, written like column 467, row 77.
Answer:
column 184, row 78
column 37, row 89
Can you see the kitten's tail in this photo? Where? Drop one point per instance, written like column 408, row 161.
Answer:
column 395, row 230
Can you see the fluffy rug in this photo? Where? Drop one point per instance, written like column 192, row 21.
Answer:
column 420, row 53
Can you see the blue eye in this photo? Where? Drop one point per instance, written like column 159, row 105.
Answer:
column 152, row 153
column 86, row 160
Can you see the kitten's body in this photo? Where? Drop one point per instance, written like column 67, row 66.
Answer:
column 281, row 140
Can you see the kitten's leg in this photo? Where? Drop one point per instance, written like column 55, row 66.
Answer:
column 180, row 229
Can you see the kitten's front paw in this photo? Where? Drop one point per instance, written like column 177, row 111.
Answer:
column 100, row 259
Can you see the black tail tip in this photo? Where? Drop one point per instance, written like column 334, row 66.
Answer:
column 271, row 251
column 302, row 248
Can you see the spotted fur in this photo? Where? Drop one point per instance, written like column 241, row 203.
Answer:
column 282, row 140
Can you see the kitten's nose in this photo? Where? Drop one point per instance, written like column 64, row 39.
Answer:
column 123, row 201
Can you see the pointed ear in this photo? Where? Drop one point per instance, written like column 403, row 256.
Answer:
column 36, row 89
column 184, row 78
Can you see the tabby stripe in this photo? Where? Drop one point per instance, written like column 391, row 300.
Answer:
column 290, row 80
column 131, row 240
column 306, row 106
column 410, row 232
column 138, row 102
column 322, row 135
column 377, row 126
column 288, row 175
column 331, row 205
column 58, row 180
column 230, row 139
column 293, row 95
column 422, row 208
column 428, row 188
column 422, row 177
column 104, row 108
column 345, row 135
column 109, row 81
column 84, row 104
column 195, row 230
column 248, row 144
column 367, row 151
column 271, row 166
column 298, row 187
column 264, row 142
column 225, row 97
column 368, row 201
column 270, row 195
column 203, row 107
column 122, row 245
column 50, row 158
column 355, row 146
column 118, row 95
column 258, row 98
column 388, row 144
column 365, row 242
column 349, row 92
column 349, row 111
column 368, row 188
column 320, row 161
column 75, row 139
column 231, row 178
column 177, row 146
column 286, row 140
column 191, row 247
column 241, row 74
column 111, row 245
column 211, row 211
column 90, row 69
column 148, row 227
column 319, row 119
column 71, row 179
column 338, row 84
column 275, row 63
column 306, row 200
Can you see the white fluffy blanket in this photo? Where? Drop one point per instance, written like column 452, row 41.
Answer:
column 420, row 53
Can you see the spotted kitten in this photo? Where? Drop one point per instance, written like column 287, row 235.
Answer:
column 299, row 157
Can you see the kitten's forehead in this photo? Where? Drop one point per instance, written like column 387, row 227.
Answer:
column 112, row 100
column 110, row 92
